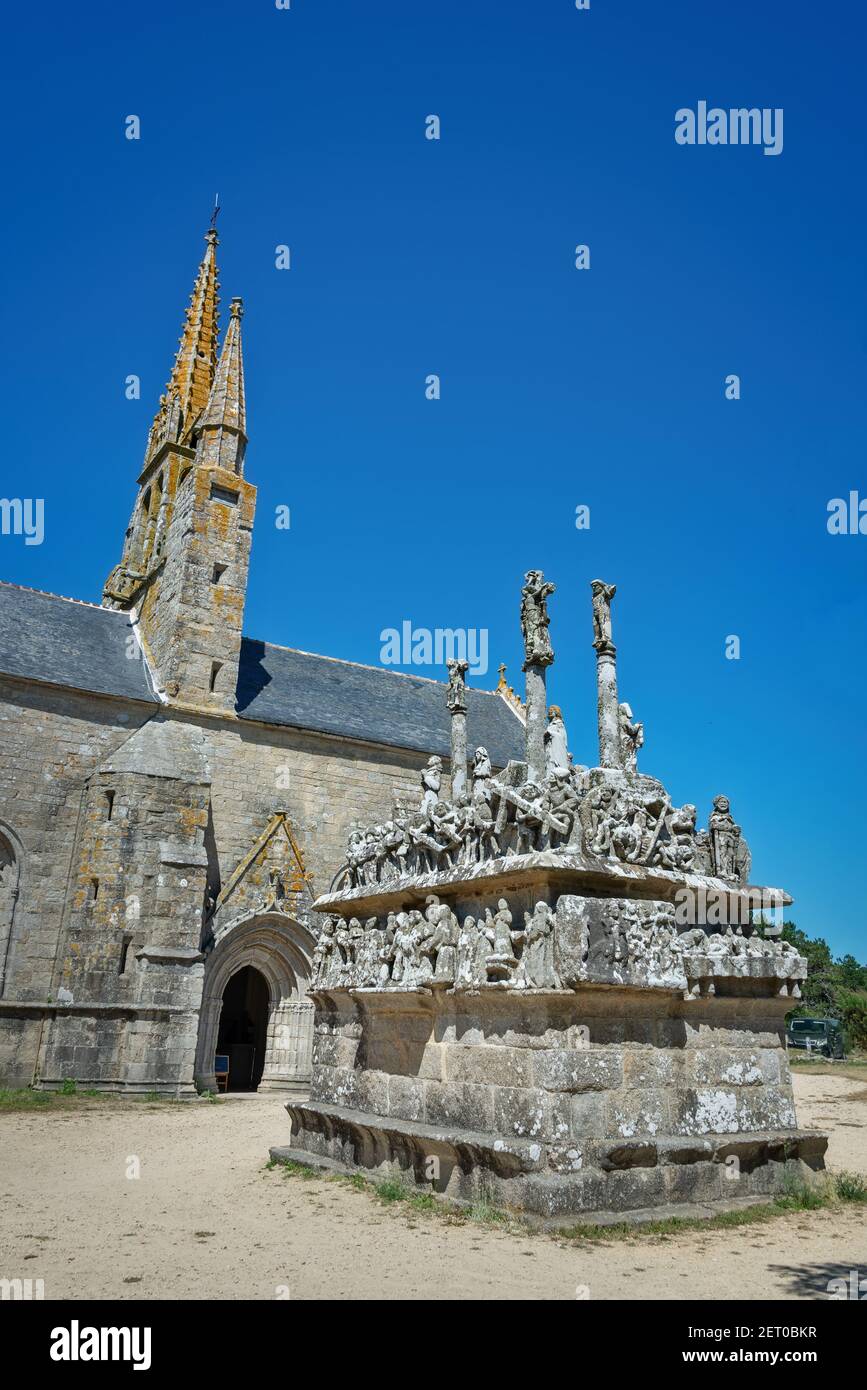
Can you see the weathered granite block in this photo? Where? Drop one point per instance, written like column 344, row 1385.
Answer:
column 493, row 1066
column 578, row 1070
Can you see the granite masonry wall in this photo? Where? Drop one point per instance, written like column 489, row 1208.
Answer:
column 119, row 821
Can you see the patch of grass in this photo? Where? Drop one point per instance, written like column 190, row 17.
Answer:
column 669, row 1226
column 24, row 1099
column 487, row 1213
column 850, row 1187
column 391, row 1190
column 355, row 1180
column 69, row 1087
column 291, row 1169
column 422, row 1202
column 798, row 1195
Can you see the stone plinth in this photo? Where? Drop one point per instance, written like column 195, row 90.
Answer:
column 648, row 1070
column 589, row 1100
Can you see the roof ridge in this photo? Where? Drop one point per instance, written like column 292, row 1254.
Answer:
column 362, row 665
column 47, row 593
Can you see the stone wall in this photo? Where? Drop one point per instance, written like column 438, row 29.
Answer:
column 188, row 800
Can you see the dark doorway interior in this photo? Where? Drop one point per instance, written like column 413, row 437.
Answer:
column 243, row 1028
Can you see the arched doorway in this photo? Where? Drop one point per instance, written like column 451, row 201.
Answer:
column 268, row 952
column 243, row 1030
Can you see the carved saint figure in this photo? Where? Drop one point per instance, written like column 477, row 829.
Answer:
column 482, row 773
column 407, row 940
column 443, row 944
column 456, row 695
column 502, row 960
column 731, row 858
column 468, row 940
column 276, row 893
column 602, row 596
column 484, row 828
column 537, row 969
column 535, row 620
column 631, row 739
column 602, row 816
column 679, row 852
column 561, row 801
column 323, row 954
column 556, row 744
column 431, row 780
column 529, row 818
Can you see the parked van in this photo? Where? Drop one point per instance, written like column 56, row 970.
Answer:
column 822, row 1035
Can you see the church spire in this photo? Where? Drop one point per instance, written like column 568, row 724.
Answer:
column 222, row 429
column 192, row 375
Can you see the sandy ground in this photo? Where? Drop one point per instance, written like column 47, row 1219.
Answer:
column 206, row 1220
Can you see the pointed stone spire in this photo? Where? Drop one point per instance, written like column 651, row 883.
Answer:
column 192, row 376
column 223, row 426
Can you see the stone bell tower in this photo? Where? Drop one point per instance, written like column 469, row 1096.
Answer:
column 183, row 574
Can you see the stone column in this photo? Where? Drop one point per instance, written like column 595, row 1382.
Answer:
column 607, row 706
column 456, row 700
column 538, row 656
column 459, row 753
column 537, row 720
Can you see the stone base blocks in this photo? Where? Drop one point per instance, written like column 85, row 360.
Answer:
column 559, row 1102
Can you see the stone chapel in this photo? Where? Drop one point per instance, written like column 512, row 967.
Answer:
column 174, row 793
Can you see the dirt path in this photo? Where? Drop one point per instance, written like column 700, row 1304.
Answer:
column 205, row 1220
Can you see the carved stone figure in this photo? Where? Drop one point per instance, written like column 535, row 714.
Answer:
column 406, row 944
column 273, row 901
column 561, row 802
column 468, row 941
column 529, row 818
column 537, row 969
column 679, row 852
column 731, row 858
column 443, row 945
column 322, row 954
column 631, row 739
column 431, row 781
column 502, row 962
column 484, row 828
column 456, row 695
column 534, row 619
column 484, row 949
column 556, row 743
column 601, row 816
column 602, row 595
column 482, row 774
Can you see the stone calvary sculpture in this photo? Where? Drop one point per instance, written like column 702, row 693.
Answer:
column 545, row 982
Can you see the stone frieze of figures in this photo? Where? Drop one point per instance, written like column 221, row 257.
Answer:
column 634, row 942
column 629, row 819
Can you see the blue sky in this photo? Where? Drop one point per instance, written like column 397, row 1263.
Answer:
column 602, row 387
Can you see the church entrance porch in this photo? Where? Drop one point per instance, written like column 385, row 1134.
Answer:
column 255, row 1007
column 244, row 1028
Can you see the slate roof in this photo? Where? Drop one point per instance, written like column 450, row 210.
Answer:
column 65, row 643
column 282, row 686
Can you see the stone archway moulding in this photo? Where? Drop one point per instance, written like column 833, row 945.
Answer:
column 281, row 949
column 9, row 899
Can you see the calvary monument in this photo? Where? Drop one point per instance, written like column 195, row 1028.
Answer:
column 546, row 986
